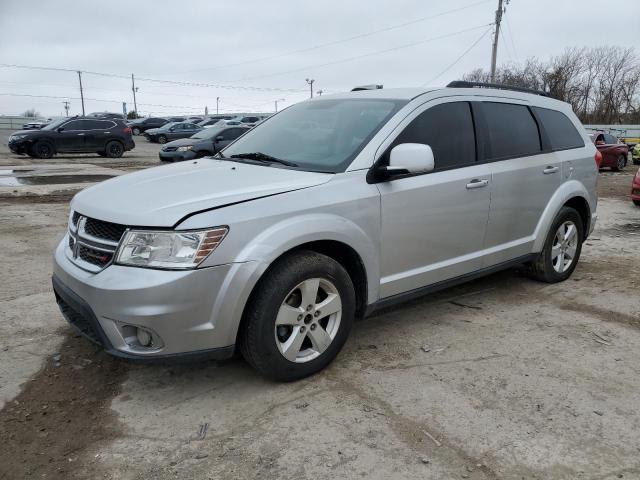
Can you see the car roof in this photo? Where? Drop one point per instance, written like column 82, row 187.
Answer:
column 412, row 93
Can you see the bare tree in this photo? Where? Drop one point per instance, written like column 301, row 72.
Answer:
column 602, row 84
column 31, row 113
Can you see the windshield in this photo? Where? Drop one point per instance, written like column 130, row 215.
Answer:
column 56, row 124
column 321, row 135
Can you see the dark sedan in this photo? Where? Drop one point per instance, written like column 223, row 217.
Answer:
column 172, row 131
column 206, row 142
column 141, row 125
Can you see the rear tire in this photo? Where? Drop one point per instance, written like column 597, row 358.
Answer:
column 162, row 139
column 621, row 162
column 281, row 335
column 136, row 131
column 562, row 248
column 43, row 150
column 114, row 149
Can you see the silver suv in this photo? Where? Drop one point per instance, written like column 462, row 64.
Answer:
column 323, row 213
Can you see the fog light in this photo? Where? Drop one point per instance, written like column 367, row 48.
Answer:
column 144, row 337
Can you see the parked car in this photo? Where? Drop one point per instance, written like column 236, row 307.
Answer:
column 635, row 189
column 249, row 120
column 614, row 152
column 141, row 125
column 176, row 119
column 35, row 125
column 172, row 131
column 635, row 154
column 275, row 245
column 206, row 142
column 108, row 138
column 214, row 120
column 195, row 119
column 107, row 115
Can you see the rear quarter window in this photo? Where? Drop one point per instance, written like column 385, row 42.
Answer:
column 512, row 130
column 561, row 132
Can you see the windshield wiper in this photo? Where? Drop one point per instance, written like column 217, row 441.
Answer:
column 263, row 157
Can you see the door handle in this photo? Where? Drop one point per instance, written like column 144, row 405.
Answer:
column 477, row 183
column 80, row 134
column 549, row 170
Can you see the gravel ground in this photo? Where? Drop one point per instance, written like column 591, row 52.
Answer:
column 501, row 378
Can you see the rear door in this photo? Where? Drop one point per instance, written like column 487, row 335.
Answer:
column 433, row 224
column 96, row 134
column 524, row 177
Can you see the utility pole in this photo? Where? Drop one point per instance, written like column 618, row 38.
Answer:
column 279, row 100
column 81, row 92
column 134, row 89
column 310, row 82
column 494, row 49
column 66, row 107
column 217, row 105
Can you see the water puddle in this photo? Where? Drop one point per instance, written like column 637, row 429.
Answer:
column 13, row 181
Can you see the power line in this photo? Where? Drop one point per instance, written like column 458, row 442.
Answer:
column 458, row 59
column 510, row 35
column 357, row 57
column 334, row 42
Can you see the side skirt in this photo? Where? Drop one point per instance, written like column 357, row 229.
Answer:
column 422, row 291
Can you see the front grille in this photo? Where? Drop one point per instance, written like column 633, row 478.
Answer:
column 93, row 243
column 75, row 318
column 94, row 257
column 104, row 230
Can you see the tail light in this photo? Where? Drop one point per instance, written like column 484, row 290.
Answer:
column 127, row 130
column 598, row 158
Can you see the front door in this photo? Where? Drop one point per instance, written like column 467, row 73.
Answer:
column 433, row 225
column 71, row 137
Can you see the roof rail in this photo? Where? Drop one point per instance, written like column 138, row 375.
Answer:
column 498, row 86
column 367, row 87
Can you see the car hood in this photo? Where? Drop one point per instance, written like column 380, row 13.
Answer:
column 162, row 196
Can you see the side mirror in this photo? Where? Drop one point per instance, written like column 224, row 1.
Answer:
column 219, row 138
column 410, row 158
column 59, row 129
column 171, row 129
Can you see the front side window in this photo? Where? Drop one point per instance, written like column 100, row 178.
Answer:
column 448, row 129
column 512, row 130
column 561, row 132
column 319, row 135
column 75, row 125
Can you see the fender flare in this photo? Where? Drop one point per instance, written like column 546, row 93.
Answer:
column 562, row 195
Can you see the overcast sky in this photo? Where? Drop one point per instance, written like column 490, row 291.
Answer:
column 268, row 46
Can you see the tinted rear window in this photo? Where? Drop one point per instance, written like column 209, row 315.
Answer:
column 560, row 131
column 513, row 132
column 448, row 129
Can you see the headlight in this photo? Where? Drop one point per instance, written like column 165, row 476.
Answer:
column 185, row 148
column 171, row 250
column 16, row 137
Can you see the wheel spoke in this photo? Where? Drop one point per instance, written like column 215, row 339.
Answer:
column 330, row 305
column 320, row 339
column 555, row 251
column 570, row 252
column 570, row 232
column 291, row 347
column 288, row 315
column 309, row 291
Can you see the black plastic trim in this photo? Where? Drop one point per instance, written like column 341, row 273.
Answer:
column 434, row 287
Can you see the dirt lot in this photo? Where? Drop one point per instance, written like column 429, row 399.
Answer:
column 501, row 378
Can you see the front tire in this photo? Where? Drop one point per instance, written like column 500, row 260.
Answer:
column 636, row 203
column 621, row 162
column 299, row 316
column 162, row 139
column 43, row 150
column 136, row 131
column 114, row 149
column 562, row 248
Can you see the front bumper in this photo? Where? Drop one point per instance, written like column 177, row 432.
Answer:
column 193, row 312
column 176, row 156
column 19, row 148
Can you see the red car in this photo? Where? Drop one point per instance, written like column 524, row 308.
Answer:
column 635, row 189
column 614, row 153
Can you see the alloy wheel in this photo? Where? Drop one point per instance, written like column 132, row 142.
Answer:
column 622, row 162
column 565, row 245
column 308, row 320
